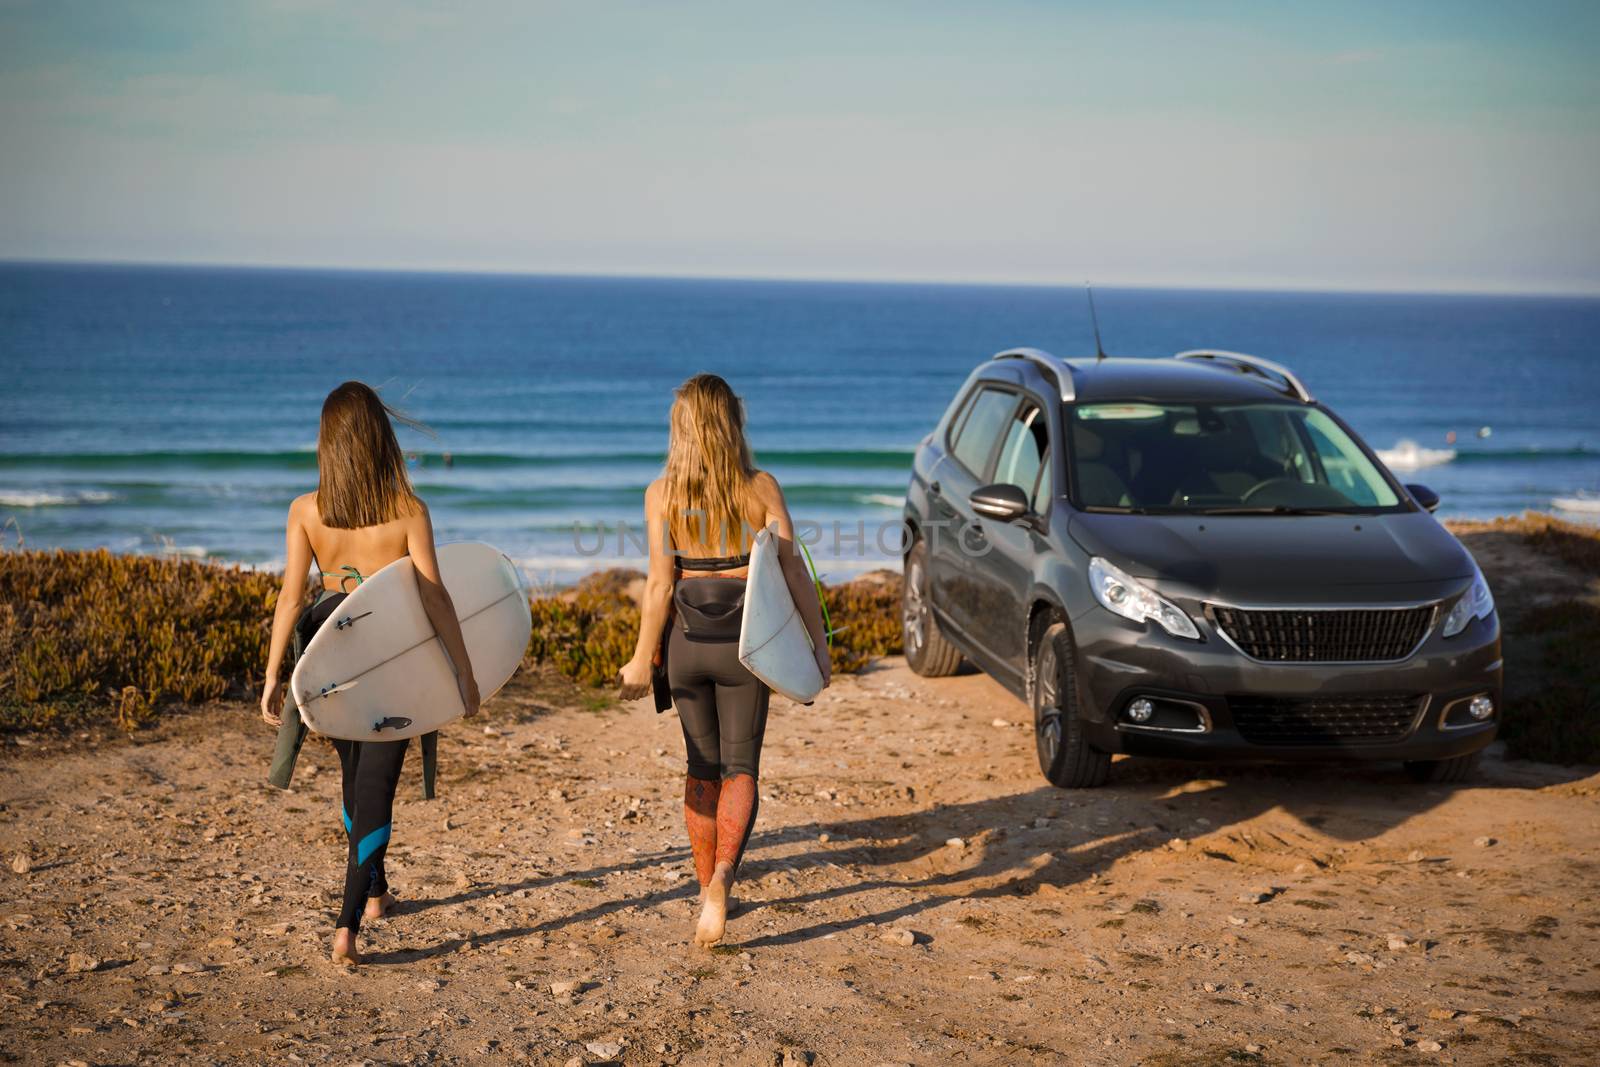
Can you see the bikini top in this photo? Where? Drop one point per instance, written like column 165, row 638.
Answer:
column 714, row 563
column 347, row 574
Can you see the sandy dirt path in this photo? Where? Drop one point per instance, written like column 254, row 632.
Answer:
column 176, row 908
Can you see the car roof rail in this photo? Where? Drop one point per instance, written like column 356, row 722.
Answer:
column 1264, row 368
column 1052, row 364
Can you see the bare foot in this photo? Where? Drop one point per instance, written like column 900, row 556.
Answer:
column 344, row 948
column 732, row 905
column 380, row 907
column 714, row 911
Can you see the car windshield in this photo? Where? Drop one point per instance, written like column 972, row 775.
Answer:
column 1220, row 459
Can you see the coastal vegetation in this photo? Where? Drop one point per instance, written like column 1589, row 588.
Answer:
column 1551, row 638
column 91, row 638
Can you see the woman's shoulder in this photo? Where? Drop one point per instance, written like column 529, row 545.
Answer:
column 416, row 514
column 764, row 485
column 304, row 506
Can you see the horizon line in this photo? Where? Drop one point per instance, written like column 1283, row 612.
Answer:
column 836, row 279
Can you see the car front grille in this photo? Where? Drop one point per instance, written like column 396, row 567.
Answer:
column 1324, row 720
column 1361, row 635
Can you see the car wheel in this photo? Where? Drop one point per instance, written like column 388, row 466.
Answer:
column 1455, row 769
column 1064, row 753
column 927, row 651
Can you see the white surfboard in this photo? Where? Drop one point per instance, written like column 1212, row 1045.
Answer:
column 774, row 643
column 377, row 671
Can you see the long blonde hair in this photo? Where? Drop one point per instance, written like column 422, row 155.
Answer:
column 361, row 472
column 709, row 466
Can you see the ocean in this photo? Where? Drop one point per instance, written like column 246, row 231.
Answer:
column 174, row 410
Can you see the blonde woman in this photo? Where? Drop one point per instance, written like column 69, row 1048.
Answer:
column 362, row 517
column 701, row 514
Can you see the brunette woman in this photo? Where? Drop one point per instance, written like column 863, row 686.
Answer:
column 362, row 517
column 701, row 514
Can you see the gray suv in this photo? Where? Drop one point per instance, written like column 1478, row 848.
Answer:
column 1191, row 557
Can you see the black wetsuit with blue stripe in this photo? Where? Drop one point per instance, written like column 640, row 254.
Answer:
column 371, row 775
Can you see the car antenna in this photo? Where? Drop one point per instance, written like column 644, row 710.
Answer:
column 1099, row 352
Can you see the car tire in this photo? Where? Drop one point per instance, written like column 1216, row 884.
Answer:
column 1455, row 769
column 927, row 651
column 1065, row 755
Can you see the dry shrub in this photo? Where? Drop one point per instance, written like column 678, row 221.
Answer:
column 1552, row 700
column 133, row 710
column 1573, row 543
column 866, row 615
column 1556, row 715
column 1567, row 541
column 92, row 636
column 618, row 581
column 585, row 635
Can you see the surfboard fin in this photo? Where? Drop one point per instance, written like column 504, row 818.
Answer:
column 337, row 687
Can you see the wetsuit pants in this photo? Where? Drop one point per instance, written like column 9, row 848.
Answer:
column 371, row 774
column 722, row 706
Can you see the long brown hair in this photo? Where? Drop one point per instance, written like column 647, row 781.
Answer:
column 362, row 478
column 709, row 466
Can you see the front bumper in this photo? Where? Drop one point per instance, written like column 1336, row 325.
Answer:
column 1118, row 662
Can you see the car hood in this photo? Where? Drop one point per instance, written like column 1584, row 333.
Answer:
column 1231, row 555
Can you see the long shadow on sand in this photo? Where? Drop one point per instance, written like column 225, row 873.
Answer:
column 1088, row 832
column 541, row 881
column 1153, row 801
column 585, row 915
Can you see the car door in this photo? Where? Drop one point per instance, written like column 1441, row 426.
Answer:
column 953, row 580
column 1004, row 572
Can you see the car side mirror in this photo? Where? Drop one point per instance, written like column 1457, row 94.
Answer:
column 1427, row 498
column 1007, row 503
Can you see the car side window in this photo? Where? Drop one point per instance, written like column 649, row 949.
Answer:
column 986, row 418
column 1044, row 488
column 1026, row 449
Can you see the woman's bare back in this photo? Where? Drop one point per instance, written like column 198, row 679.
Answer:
column 368, row 549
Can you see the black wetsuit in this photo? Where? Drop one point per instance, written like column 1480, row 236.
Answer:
column 371, row 774
column 721, row 705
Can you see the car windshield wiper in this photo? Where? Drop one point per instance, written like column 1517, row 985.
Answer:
column 1275, row 509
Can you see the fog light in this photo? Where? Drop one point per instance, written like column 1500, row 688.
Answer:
column 1481, row 707
column 1141, row 710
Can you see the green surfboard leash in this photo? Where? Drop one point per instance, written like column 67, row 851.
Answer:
column 827, row 623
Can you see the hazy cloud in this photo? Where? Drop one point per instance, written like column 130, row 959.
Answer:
column 1014, row 144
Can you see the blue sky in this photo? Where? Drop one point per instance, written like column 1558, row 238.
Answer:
column 1449, row 145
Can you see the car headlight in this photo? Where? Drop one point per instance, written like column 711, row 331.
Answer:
column 1125, row 595
column 1476, row 603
